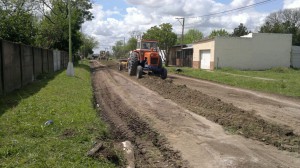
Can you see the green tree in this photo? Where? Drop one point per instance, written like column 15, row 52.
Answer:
column 241, row 30
column 54, row 25
column 164, row 34
column 131, row 44
column 119, row 50
column 191, row 36
column 88, row 44
column 17, row 23
column 284, row 21
column 220, row 32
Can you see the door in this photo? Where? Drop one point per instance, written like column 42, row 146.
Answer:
column 205, row 59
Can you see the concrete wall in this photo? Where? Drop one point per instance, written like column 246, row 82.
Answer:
column 259, row 52
column 295, row 57
column 50, row 61
column 38, row 62
column 11, row 66
column 45, row 60
column 56, row 60
column 20, row 64
column 203, row 45
column 65, row 59
column 1, row 76
column 27, row 64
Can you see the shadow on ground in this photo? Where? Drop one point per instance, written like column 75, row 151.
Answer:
column 10, row 100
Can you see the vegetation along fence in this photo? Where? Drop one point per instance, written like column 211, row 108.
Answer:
column 21, row 64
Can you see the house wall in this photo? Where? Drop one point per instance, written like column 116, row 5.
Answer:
column 205, row 45
column 259, row 52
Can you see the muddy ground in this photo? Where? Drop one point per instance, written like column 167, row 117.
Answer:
column 176, row 125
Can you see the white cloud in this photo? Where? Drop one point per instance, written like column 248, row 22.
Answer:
column 110, row 26
column 291, row 4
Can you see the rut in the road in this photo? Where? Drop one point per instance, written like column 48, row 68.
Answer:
column 152, row 150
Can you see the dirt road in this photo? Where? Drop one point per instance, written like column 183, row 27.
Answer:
column 166, row 134
column 274, row 108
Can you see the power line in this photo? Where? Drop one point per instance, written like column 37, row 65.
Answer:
column 233, row 10
column 228, row 11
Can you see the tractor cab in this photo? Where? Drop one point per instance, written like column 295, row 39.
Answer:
column 147, row 45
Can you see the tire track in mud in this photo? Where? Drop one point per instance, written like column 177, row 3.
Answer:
column 201, row 142
column 151, row 149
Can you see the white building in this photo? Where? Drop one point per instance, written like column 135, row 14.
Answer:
column 255, row 51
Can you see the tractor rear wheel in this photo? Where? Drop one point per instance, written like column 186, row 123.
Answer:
column 164, row 73
column 132, row 64
column 139, row 72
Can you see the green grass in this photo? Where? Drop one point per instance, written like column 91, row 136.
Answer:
column 283, row 81
column 25, row 141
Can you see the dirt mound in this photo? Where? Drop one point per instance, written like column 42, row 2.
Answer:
column 233, row 119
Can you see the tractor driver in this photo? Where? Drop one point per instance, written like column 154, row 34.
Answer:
column 144, row 62
column 145, row 46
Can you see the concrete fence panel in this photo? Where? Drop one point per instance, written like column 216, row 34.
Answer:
column 38, row 62
column 1, row 72
column 65, row 59
column 50, row 61
column 62, row 59
column 58, row 60
column 55, row 57
column 11, row 66
column 26, row 64
column 45, row 61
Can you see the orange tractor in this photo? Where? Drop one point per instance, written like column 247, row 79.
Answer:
column 146, row 58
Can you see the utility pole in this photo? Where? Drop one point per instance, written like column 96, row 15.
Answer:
column 182, row 34
column 70, row 69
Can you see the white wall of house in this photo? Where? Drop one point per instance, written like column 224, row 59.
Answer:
column 257, row 51
column 295, row 58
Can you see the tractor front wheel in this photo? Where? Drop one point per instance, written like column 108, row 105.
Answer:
column 164, row 73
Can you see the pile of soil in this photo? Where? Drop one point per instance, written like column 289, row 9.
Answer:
column 233, row 119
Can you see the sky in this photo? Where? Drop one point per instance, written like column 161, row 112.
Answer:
column 116, row 20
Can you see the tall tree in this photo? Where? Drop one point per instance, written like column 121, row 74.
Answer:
column 119, row 50
column 191, row 36
column 164, row 34
column 88, row 44
column 241, row 30
column 131, row 44
column 52, row 32
column 284, row 21
column 220, row 32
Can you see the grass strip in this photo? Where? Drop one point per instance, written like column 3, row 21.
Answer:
column 284, row 81
column 26, row 139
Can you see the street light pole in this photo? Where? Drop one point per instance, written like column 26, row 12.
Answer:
column 182, row 36
column 70, row 69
